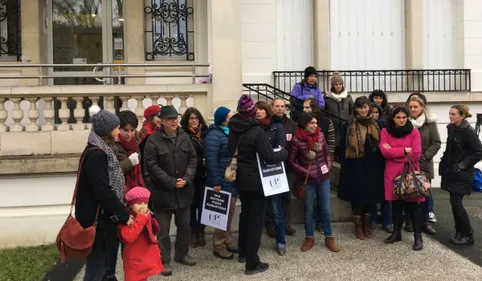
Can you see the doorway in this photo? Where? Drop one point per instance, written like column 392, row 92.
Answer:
column 85, row 32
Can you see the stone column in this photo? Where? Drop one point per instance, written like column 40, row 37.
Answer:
column 32, row 25
column 321, row 34
column 225, row 53
column 414, row 42
column 414, row 34
column 134, row 38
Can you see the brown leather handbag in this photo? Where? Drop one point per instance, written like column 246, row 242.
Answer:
column 299, row 188
column 73, row 240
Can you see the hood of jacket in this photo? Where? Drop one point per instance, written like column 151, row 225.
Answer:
column 464, row 125
column 384, row 96
column 214, row 127
column 431, row 118
column 239, row 124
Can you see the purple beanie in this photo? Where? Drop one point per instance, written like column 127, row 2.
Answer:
column 246, row 106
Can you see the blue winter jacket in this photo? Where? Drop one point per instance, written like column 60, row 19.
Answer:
column 217, row 159
column 305, row 91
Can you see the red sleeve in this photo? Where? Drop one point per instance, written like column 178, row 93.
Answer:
column 416, row 145
column 130, row 233
column 391, row 153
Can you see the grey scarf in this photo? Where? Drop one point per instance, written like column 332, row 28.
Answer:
column 116, row 177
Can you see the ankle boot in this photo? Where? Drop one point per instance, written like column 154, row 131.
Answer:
column 464, row 239
column 418, row 243
column 201, row 238
column 358, row 228
column 367, row 231
column 330, row 244
column 308, row 244
column 456, row 236
column 396, row 235
column 194, row 242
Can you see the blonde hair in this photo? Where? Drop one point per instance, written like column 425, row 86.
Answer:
column 420, row 101
column 463, row 110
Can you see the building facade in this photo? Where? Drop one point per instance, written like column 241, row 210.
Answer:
column 58, row 57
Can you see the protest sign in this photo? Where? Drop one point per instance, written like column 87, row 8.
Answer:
column 215, row 210
column 273, row 177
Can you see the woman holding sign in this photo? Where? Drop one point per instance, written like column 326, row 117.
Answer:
column 247, row 140
column 310, row 158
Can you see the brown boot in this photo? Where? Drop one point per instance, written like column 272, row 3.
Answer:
column 308, row 244
column 330, row 244
column 358, row 228
column 290, row 230
column 201, row 238
column 366, row 226
column 194, row 243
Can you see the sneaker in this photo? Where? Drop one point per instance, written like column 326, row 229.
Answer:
column 261, row 267
column 187, row 260
column 223, row 254
column 281, row 251
column 167, row 270
column 432, row 218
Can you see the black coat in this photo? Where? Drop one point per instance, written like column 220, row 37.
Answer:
column 361, row 180
column 198, row 144
column 462, row 152
column 167, row 159
column 94, row 189
column 276, row 133
column 246, row 135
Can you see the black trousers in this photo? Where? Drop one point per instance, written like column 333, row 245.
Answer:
column 253, row 206
column 461, row 218
column 414, row 212
column 360, row 209
column 183, row 233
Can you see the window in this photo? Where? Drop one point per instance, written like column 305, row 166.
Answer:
column 10, row 32
column 169, row 30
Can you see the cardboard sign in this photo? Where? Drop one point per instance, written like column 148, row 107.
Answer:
column 215, row 210
column 273, row 177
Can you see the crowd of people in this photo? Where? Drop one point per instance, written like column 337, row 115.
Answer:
column 140, row 179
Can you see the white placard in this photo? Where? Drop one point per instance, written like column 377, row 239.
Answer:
column 215, row 211
column 273, row 177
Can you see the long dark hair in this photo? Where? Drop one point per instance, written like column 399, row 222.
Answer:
column 187, row 115
column 360, row 102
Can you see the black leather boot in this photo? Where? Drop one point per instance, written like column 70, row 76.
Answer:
column 418, row 243
column 464, row 239
column 396, row 236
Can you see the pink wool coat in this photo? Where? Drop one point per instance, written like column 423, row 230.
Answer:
column 396, row 157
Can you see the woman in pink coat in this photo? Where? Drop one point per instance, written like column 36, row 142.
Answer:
column 398, row 141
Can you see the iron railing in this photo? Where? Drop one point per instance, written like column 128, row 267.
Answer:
column 267, row 93
column 101, row 73
column 10, row 26
column 365, row 81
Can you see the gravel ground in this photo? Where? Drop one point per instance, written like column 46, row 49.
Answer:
column 358, row 260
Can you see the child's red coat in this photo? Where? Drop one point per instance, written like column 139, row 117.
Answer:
column 141, row 256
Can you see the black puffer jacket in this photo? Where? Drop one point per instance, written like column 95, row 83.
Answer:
column 463, row 151
column 246, row 135
column 166, row 159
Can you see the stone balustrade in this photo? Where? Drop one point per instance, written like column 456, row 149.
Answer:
column 55, row 119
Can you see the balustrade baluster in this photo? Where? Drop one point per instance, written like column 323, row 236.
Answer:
column 3, row 115
column 109, row 104
column 169, row 100
column 49, row 114
column 17, row 115
column 79, row 114
column 64, row 114
column 33, row 115
column 183, row 106
column 139, row 111
column 124, row 101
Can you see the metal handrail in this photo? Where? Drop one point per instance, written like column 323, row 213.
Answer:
column 118, row 73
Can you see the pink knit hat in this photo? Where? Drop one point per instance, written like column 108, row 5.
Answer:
column 137, row 195
column 246, row 106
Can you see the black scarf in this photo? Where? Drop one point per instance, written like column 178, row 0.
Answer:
column 399, row 132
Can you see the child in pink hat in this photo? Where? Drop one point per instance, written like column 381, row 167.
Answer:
column 141, row 255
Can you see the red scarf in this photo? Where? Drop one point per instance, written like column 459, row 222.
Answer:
column 134, row 176
column 146, row 130
column 264, row 122
column 310, row 138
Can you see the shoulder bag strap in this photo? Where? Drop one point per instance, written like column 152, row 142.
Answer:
column 77, row 183
column 307, row 174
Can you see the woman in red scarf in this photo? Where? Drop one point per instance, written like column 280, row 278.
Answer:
column 194, row 125
column 311, row 160
column 127, row 151
column 151, row 124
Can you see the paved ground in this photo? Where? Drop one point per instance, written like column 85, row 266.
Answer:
column 358, row 260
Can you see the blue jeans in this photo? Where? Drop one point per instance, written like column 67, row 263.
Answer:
column 279, row 219
column 386, row 210
column 322, row 192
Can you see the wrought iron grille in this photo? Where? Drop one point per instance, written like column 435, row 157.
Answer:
column 10, row 29
column 403, row 80
column 169, row 32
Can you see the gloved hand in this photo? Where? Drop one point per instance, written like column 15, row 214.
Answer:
column 134, row 158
